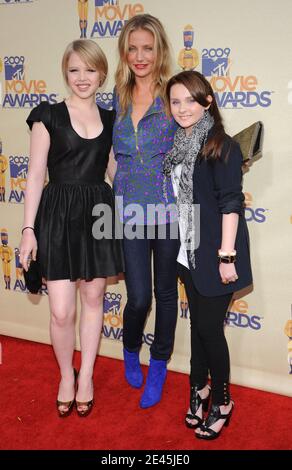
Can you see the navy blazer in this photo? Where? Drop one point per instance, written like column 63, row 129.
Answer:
column 217, row 187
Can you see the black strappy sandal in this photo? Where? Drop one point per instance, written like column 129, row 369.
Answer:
column 195, row 402
column 214, row 416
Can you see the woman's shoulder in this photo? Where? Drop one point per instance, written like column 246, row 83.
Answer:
column 40, row 113
column 107, row 115
column 227, row 139
column 45, row 112
column 231, row 151
column 46, row 108
column 42, row 107
column 230, row 143
column 105, row 111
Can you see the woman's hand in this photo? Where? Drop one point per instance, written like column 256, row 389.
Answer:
column 28, row 248
column 228, row 272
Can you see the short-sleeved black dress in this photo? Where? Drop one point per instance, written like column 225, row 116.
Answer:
column 67, row 248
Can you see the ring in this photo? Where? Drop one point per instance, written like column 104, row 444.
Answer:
column 225, row 282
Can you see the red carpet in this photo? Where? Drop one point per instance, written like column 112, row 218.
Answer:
column 29, row 381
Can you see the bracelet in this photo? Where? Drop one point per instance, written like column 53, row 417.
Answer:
column 225, row 253
column 227, row 259
column 24, row 228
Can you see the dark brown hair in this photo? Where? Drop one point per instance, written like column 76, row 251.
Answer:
column 199, row 89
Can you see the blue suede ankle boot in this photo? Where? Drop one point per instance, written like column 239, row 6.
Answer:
column 154, row 383
column 133, row 371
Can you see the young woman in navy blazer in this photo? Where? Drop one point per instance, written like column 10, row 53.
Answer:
column 205, row 167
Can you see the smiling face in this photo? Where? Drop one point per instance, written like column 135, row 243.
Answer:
column 83, row 79
column 184, row 108
column 141, row 55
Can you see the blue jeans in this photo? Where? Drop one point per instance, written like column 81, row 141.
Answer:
column 138, row 277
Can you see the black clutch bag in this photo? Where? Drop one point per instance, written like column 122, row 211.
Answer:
column 33, row 277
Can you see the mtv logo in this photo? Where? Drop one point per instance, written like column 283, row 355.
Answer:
column 112, row 303
column 217, row 67
column 101, row 3
column 14, row 72
column 18, row 170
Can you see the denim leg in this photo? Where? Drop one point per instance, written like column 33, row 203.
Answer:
column 165, row 289
column 139, row 291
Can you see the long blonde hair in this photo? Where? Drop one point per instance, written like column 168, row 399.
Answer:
column 125, row 78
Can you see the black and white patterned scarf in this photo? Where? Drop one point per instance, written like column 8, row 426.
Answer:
column 185, row 151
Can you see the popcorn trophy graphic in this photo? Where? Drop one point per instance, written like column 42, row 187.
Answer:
column 288, row 332
column 6, row 255
column 83, row 17
column 3, row 168
column 183, row 300
column 188, row 58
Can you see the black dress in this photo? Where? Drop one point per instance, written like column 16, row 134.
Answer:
column 67, row 248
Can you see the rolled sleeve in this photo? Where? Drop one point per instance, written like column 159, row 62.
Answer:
column 228, row 179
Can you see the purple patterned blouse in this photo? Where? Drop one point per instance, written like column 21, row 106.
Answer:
column 139, row 154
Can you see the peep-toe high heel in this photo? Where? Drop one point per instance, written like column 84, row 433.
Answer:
column 83, row 408
column 214, row 416
column 67, row 404
column 88, row 407
column 195, row 402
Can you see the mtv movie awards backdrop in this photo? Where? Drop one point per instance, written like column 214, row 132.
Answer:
column 240, row 49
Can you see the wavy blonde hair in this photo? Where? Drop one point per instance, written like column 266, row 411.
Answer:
column 90, row 53
column 125, row 78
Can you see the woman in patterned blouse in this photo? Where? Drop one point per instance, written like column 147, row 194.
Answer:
column 142, row 135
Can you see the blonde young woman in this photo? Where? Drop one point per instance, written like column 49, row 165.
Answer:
column 73, row 139
column 142, row 135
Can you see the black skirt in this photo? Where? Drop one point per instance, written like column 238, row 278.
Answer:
column 67, row 248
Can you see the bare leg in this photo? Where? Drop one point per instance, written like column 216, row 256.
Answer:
column 91, row 320
column 62, row 300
